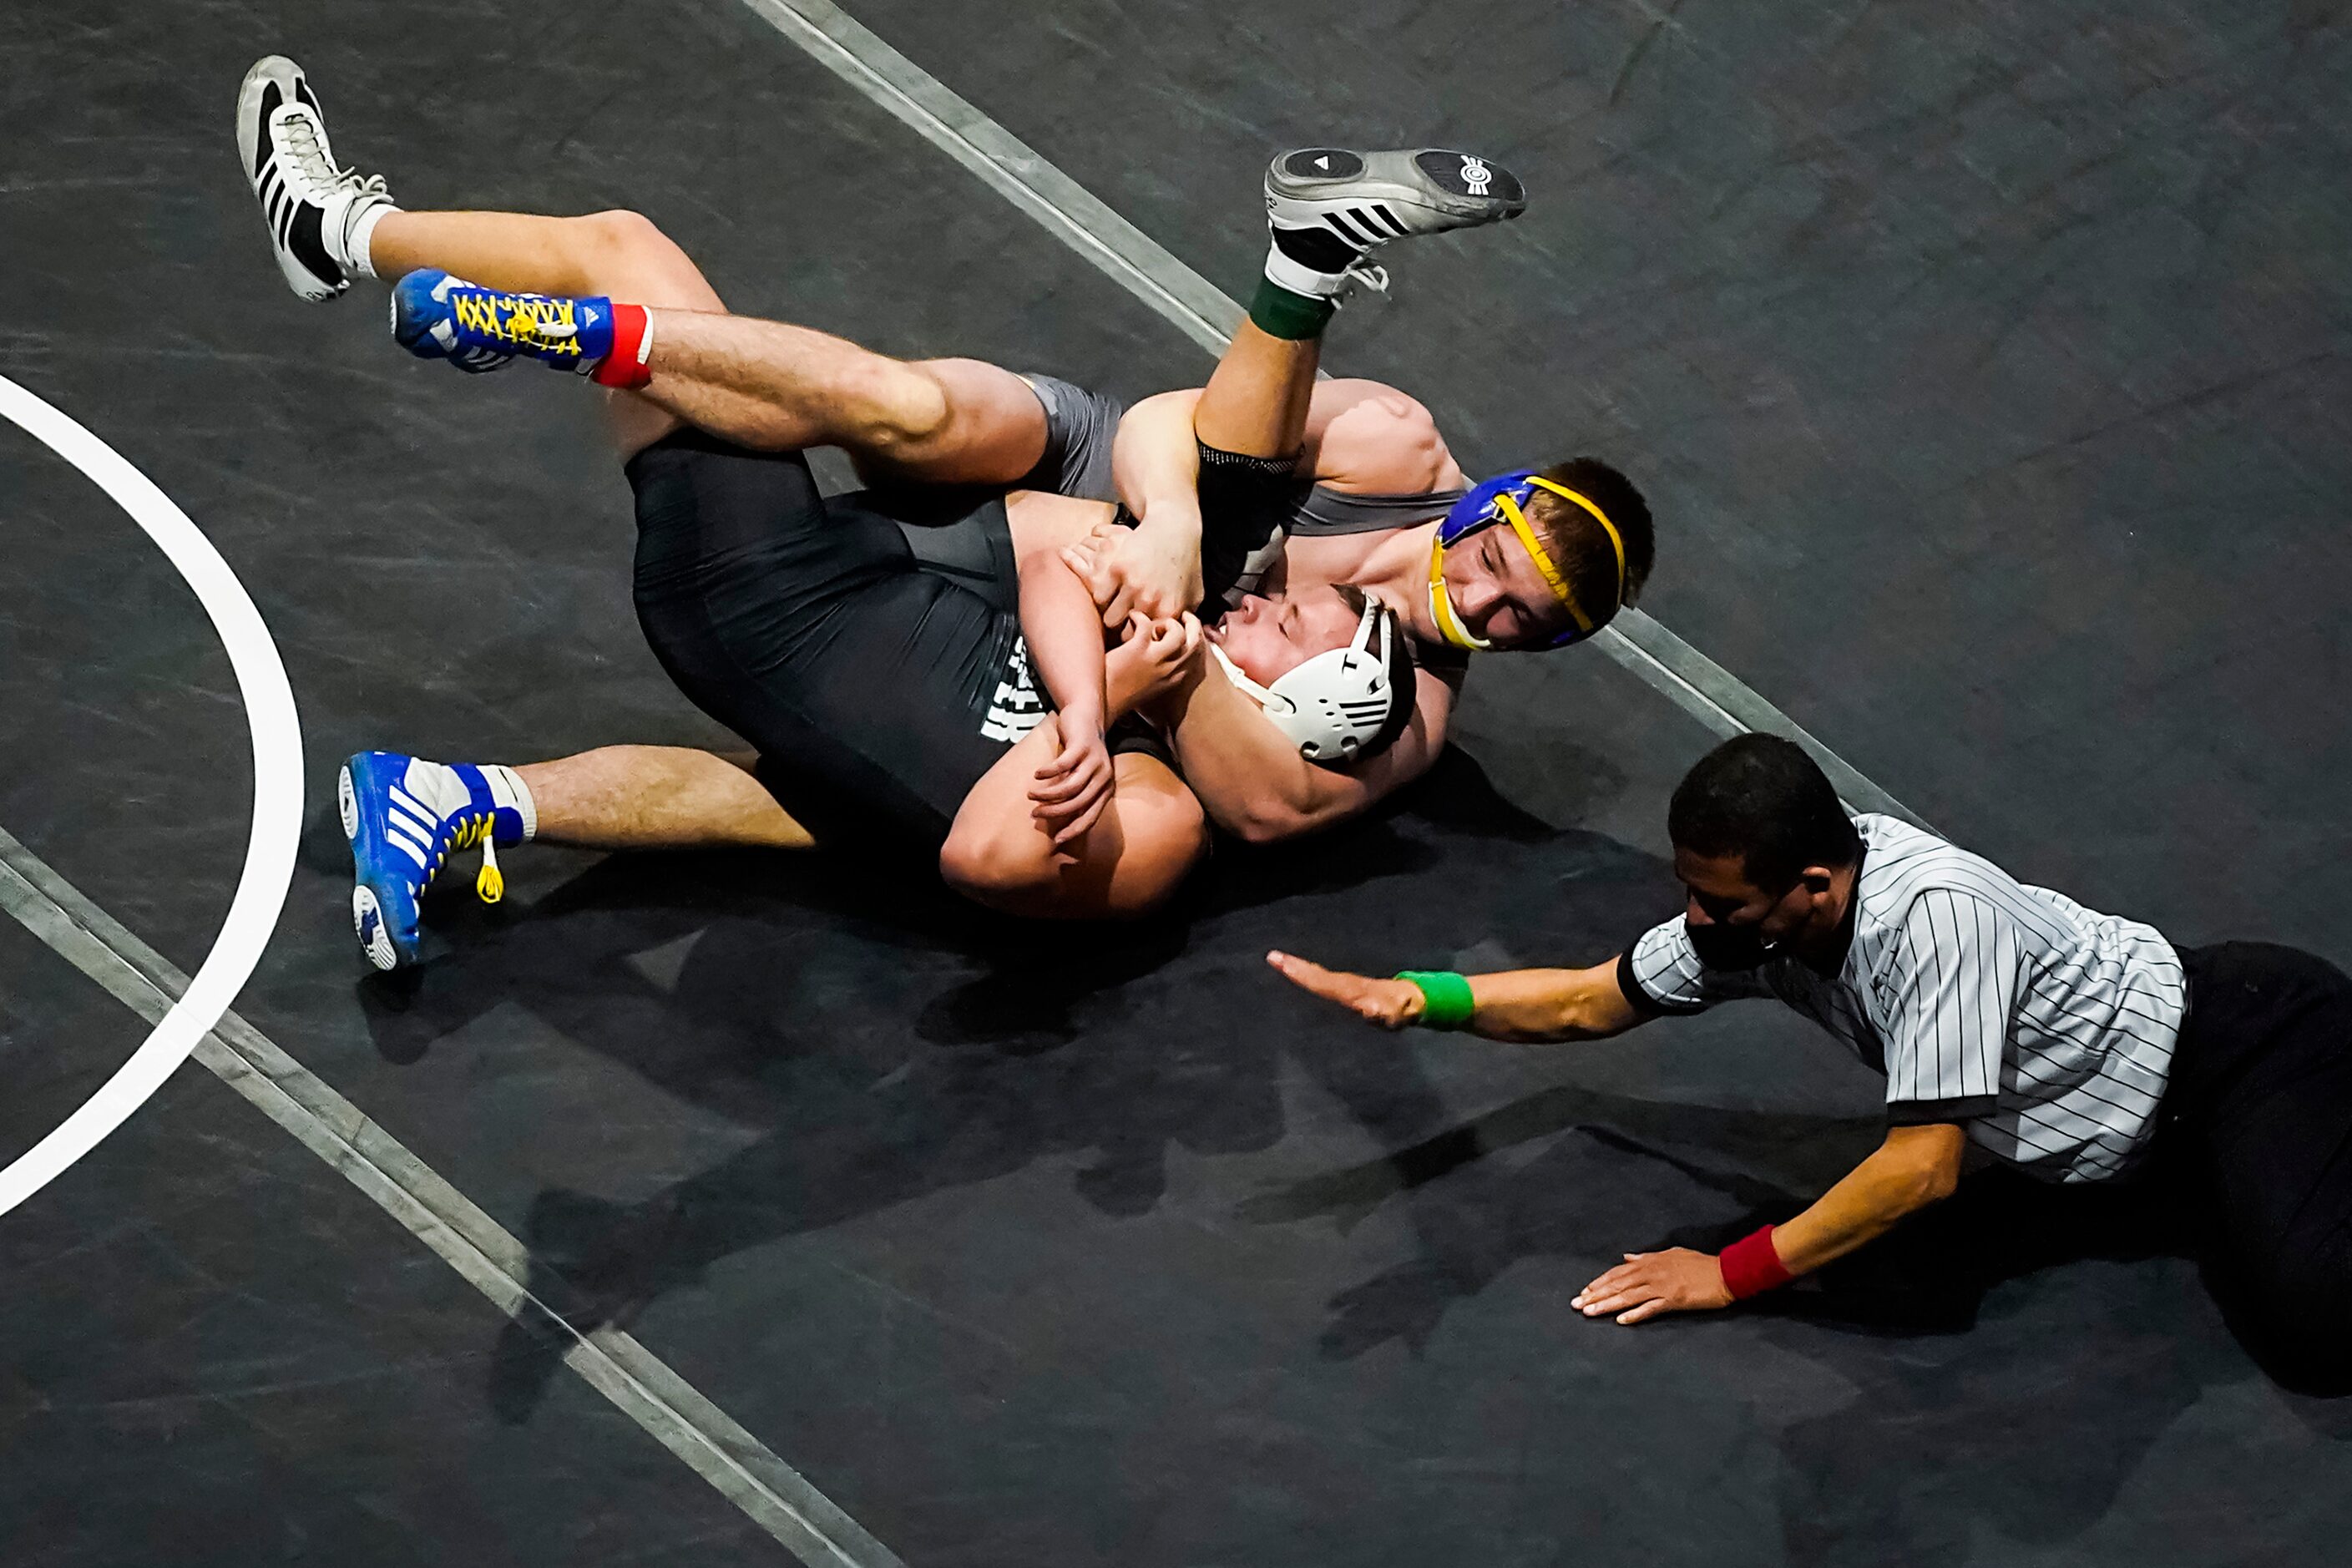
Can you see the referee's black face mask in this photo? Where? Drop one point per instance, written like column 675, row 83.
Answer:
column 1732, row 924
column 1726, row 946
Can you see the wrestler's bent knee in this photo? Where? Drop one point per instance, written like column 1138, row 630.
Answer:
column 626, row 255
column 623, row 235
column 993, row 871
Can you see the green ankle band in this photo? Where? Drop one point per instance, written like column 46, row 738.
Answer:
column 1446, row 998
column 1280, row 312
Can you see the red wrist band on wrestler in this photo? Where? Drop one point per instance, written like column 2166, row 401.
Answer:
column 1751, row 1265
column 632, row 347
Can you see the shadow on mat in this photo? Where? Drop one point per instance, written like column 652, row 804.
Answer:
column 888, row 1041
column 1956, row 1405
column 885, row 1042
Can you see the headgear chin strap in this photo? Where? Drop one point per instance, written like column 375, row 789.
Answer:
column 1333, row 705
column 1504, row 499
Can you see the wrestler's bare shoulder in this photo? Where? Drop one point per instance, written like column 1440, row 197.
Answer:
column 1367, row 436
column 1331, row 558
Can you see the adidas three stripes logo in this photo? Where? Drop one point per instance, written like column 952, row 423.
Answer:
column 410, row 825
column 1358, row 228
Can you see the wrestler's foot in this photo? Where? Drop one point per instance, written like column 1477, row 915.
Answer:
column 435, row 316
column 405, row 816
column 1330, row 208
column 425, row 322
column 319, row 216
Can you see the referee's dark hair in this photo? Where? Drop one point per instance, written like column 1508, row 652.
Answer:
column 1761, row 798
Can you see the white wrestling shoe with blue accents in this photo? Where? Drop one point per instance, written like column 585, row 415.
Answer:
column 1330, row 208
column 405, row 816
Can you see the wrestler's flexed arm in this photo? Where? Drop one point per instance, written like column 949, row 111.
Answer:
column 1153, row 567
column 1251, row 778
column 1065, row 647
column 1362, row 438
column 1148, row 835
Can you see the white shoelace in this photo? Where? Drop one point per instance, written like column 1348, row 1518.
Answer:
column 1363, row 278
column 308, row 154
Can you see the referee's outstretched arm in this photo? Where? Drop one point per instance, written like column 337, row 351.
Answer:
column 1917, row 1165
column 1532, row 1005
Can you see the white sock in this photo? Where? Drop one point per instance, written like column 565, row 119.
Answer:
column 439, row 793
column 358, row 229
column 508, row 789
column 1286, row 272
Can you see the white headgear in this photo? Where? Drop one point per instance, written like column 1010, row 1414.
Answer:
column 1332, row 705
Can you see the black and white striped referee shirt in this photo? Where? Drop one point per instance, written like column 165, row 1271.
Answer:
column 2044, row 1028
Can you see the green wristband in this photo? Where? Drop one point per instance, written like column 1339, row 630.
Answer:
column 1446, row 998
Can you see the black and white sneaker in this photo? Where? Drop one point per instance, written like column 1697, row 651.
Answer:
column 318, row 215
column 1330, row 208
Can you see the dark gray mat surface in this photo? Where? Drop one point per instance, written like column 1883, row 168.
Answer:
column 1986, row 363
column 217, row 1353
column 1133, row 1257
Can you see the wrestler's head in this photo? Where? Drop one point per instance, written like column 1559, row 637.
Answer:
column 1539, row 559
column 1268, row 636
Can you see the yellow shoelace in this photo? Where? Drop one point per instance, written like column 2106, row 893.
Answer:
column 490, row 883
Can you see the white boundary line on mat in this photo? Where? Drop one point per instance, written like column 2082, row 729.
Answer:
column 191, row 1017
column 638, row 1383
column 277, row 729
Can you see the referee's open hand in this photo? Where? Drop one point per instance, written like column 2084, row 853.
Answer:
column 1650, row 1283
column 1390, row 1003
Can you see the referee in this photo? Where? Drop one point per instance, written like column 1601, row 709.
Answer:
column 2073, row 1044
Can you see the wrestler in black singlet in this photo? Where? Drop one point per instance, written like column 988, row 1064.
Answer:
column 872, row 687
column 867, row 646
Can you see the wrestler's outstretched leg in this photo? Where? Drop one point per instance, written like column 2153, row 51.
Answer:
column 1328, row 210
column 765, row 385
column 406, row 816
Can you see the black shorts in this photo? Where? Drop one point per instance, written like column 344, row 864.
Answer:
column 876, row 688
column 2258, row 1114
column 1080, row 425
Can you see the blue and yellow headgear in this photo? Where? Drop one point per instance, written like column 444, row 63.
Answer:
column 1504, row 499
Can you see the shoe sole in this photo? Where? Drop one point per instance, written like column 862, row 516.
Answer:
column 1435, row 180
column 367, row 914
column 367, row 924
column 266, row 70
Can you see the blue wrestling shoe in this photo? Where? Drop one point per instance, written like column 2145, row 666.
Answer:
column 425, row 322
column 405, row 817
column 435, row 316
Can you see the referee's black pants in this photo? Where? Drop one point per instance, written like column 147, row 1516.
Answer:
column 2257, row 1122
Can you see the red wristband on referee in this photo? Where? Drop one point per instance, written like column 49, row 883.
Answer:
column 1751, row 1265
